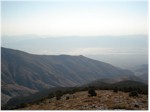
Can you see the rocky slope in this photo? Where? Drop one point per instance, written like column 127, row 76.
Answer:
column 105, row 100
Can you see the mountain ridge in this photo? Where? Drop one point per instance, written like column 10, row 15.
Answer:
column 22, row 71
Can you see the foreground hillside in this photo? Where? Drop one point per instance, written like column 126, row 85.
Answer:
column 23, row 74
column 58, row 92
column 105, row 100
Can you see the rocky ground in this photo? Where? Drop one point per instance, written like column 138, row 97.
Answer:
column 105, row 100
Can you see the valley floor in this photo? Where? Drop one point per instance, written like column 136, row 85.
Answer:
column 105, row 100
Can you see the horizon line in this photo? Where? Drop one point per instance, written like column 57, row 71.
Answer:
column 75, row 35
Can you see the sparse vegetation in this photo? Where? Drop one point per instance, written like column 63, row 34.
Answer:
column 105, row 100
column 133, row 94
column 92, row 92
column 115, row 90
column 119, row 107
column 59, row 92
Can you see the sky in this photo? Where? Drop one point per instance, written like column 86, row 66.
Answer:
column 113, row 31
column 74, row 17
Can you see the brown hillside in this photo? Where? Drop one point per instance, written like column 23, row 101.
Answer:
column 105, row 100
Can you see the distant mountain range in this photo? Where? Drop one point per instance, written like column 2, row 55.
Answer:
column 23, row 74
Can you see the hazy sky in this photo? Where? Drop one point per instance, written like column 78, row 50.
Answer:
column 113, row 31
column 74, row 17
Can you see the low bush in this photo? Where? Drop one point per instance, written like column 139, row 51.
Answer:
column 115, row 90
column 92, row 92
column 133, row 94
